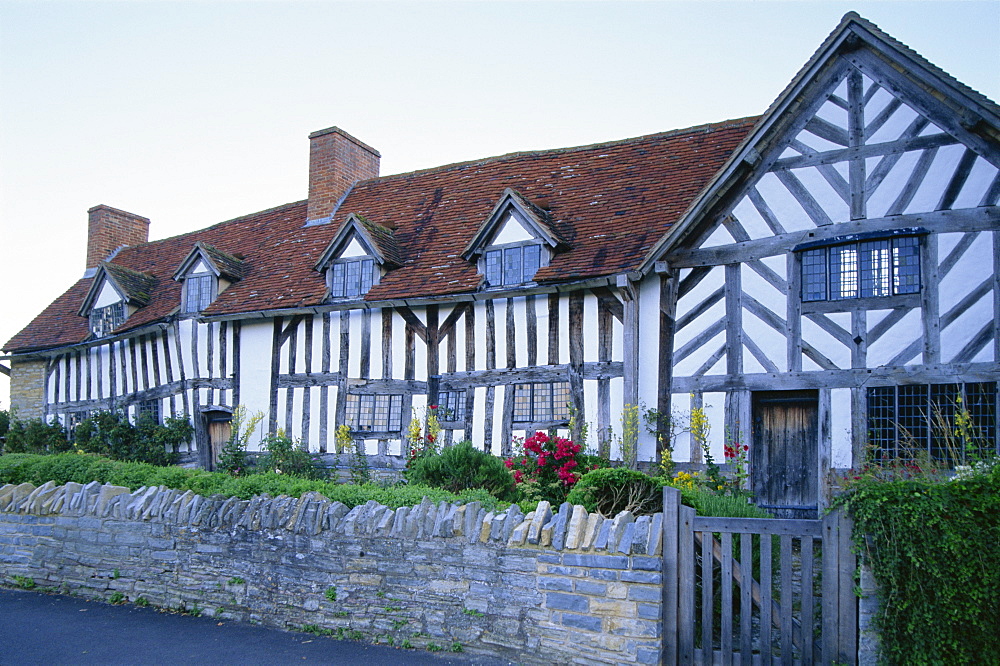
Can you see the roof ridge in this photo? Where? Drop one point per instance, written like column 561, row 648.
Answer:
column 722, row 124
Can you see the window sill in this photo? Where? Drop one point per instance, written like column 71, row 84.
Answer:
column 907, row 301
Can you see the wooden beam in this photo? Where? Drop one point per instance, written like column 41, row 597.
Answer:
column 413, row 321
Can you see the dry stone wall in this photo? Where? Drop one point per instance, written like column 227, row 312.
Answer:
column 547, row 587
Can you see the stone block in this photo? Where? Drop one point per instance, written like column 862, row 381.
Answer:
column 603, row 574
column 617, row 591
column 542, row 515
column 634, row 627
column 577, row 526
column 570, row 602
column 625, row 542
column 647, row 656
column 648, row 577
column 558, row 584
column 485, row 527
column 648, row 611
column 601, row 542
column 647, row 563
column 595, row 560
column 590, row 587
column 585, row 622
column 642, row 593
column 561, row 523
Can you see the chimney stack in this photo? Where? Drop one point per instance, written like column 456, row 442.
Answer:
column 109, row 229
column 336, row 162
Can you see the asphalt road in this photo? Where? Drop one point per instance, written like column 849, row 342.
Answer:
column 50, row 629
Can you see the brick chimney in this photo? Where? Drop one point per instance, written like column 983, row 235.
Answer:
column 109, row 228
column 336, row 162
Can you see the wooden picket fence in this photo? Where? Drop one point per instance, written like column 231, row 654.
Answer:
column 757, row 591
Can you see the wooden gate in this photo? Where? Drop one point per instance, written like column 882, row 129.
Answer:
column 757, row 591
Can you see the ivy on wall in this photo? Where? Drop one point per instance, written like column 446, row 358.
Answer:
column 934, row 548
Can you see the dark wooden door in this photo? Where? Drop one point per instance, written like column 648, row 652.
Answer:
column 783, row 458
column 218, row 435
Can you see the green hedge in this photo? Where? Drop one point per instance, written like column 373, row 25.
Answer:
column 934, row 548
column 84, row 468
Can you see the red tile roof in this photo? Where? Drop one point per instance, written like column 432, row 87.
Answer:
column 610, row 202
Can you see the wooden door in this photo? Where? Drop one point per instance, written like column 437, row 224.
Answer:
column 218, row 435
column 783, row 459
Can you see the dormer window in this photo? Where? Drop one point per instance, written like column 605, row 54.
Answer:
column 104, row 320
column 351, row 278
column 357, row 257
column 198, row 292
column 205, row 273
column 114, row 295
column 514, row 243
column 512, row 264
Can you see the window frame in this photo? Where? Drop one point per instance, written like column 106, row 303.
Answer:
column 452, row 406
column 344, row 266
column 393, row 421
column 825, row 285
column 502, row 269
column 895, row 411
column 525, row 415
column 199, row 278
column 101, row 324
column 152, row 407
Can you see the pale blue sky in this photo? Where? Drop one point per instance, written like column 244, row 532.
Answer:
column 191, row 113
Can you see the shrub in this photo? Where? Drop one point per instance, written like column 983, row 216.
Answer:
column 233, row 456
column 285, row 457
column 111, row 434
column 547, row 469
column 4, row 423
column 610, row 491
column 36, row 436
column 462, row 467
column 60, row 468
column 934, row 549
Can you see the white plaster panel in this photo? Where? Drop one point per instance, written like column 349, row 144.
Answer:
column 399, row 345
column 317, row 343
column 617, row 396
column 354, row 349
column 840, row 428
column 887, row 192
column 714, row 405
column 896, row 339
column 204, row 331
column 375, row 348
column 750, row 219
column 931, row 129
column 590, row 328
column 710, row 316
column 966, row 327
column 825, row 343
column 314, row 421
column 842, row 319
column 936, row 180
column 680, row 405
column 763, row 291
column 481, row 342
column 589, row 412
column 498, row 443
column 107, row 296
column 420, row 357
column 968, row 273
column 946, row 243
column 777, row 263
column 809, row 365
column 784, row 206
column 844, row 169
column 751, row 366
column 353, row 249
column 873, row 317
column 789, row 152
column 711, row 282
column 824, row 194
column 879, row 101
column 976, row 186
column 771, row 342
column 255, row 378
column 563, row 328
column 520, row 332
column 511, row 231
column 689, row 365
column 894, row 126
column 719, row 236
column 841, row 89
column 542, row 327
column 817, row 143
column 331, row 417
column 649, row 339
column 833, row 114
column 478, row 434
column 500, row 326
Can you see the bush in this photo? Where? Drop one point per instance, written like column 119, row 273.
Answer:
column 36, row 436
column 284, row 457
column 609, row 491
column 934, row 548
column 110, row 434
column 462, row 467
column 547, row 468
column 60, row 468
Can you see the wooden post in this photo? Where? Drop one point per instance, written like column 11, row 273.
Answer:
column 671, row 519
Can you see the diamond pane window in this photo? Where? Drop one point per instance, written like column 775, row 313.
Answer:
column 866, row 269
column 103, row 321
column 377, row 413
column 198, row 292
column 351, row 279
column 541, row 402
column 512, row 265
column 451, row 405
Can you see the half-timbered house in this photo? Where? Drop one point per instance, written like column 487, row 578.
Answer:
column 816, row 280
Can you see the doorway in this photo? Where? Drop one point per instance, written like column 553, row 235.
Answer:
column 219, row 426
column 783, row 459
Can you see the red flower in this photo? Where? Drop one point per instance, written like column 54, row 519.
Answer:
column 509, row 463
